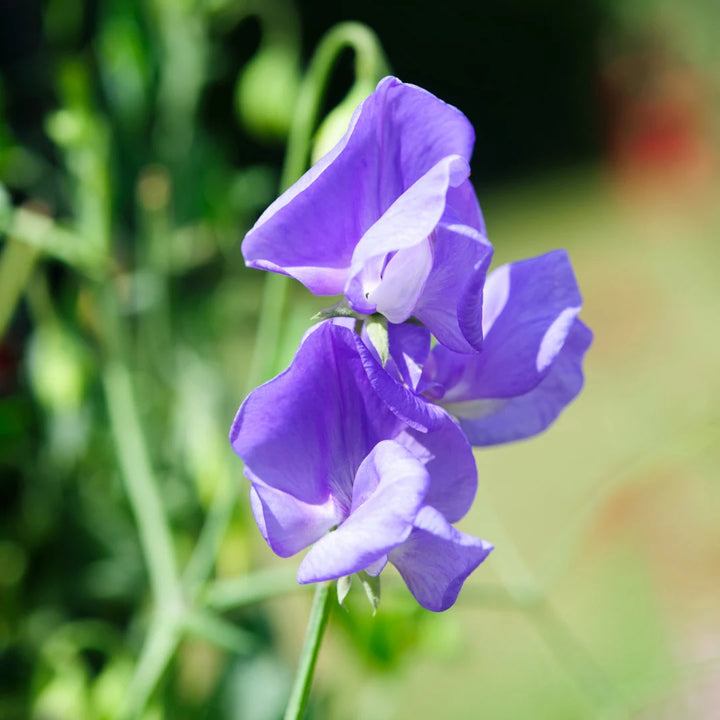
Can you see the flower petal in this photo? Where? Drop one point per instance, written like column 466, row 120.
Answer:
column 448, row 458
column 388, row 491
column 406, row 223
column 409, row 407
column 288, row 524
column 529, row 307
column 395, row 137
column 409, row 351
column 451, row 302
column 402, row 282
column 436, row 559
column 490, row 422
column 305, row 432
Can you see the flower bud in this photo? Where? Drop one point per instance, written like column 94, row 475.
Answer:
column 266, row 91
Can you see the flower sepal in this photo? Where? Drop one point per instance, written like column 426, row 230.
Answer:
column 370, row 583
column 341, row 309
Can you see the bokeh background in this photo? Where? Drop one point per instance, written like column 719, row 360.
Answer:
column 138, row 143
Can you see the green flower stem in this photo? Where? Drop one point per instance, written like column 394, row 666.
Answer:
column 267, row 337
column 313, row 637
column 220, row 632
column 229, row 593
column 16, row 264
column 211, row 536
column 140, row 483
column 370, row 64
column 160, row 644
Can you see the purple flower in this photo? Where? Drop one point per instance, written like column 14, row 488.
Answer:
column 332, row 465
column 530, row 366
column 388, row 218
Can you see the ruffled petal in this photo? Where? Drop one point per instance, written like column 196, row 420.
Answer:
column 288, row 524
column 395, row 137
column 402, row 282
column 408, row 222
column 451, row 302
column 463, row 208
column 305, row 432
column 490, row 422
column 409, row 351
column 448, row 457
column 436, row 559
column 529, row 308
column 403, row 402
column 388, row 491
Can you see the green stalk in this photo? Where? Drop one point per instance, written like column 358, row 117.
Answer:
column 229, row 593
column 213, row 530
column 140, row 483
column 160, row 643
column 313, row 637
column 370, row 65
column 16, row 264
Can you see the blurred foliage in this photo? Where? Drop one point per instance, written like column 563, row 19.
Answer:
column 138, row 143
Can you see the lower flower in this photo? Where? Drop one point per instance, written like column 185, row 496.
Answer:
column 334, row 467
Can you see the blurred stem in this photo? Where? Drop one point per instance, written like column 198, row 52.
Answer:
column 16, row 264
column 267, row 337
column 160, row 644
column 308, row 657
column 218, row 518
column 140, row 482
column 220, row 632
column 370, row 65
column 153, row 194
column 529, row 595
column 229, row 593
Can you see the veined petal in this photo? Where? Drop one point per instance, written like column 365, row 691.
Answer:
column 448, row 457
column 305, row 432
column 396, row 136
column 403, row 402
column 402, row 282
column 436, row 559
column 406, row 223
column 529, row 308
column 288, row 524
column 490, row 422
column 451, row 302
column 463, row 208
column 409, row 351
column 388, row 491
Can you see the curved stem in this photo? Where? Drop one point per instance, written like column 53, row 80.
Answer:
column 370, row 65
column 213, row 530
column 313, row 637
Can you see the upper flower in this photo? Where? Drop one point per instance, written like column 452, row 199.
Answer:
column 332, row 464
column 388, row 218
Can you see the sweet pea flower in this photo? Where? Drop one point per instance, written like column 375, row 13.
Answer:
column 333, row 466
column 388, row 218
column 530, row 366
